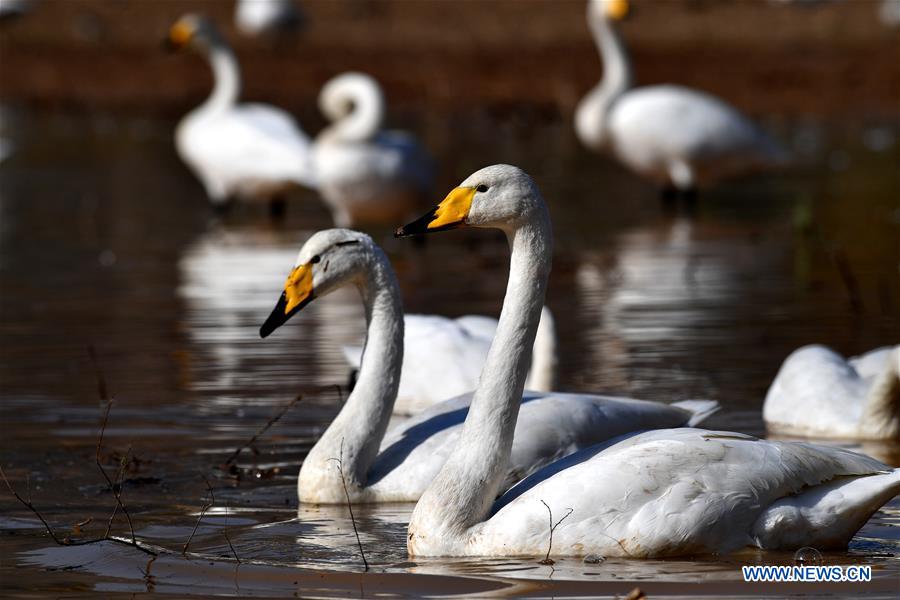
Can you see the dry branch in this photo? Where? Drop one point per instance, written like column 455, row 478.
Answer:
column 547, row 560
column 340, row 466
column 262, row 430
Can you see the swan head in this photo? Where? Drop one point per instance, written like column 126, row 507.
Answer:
column 192, row 30
column 610, row 10
column 500, row 196
column 328, row 260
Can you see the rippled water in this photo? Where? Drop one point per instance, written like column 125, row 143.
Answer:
column 106, row 241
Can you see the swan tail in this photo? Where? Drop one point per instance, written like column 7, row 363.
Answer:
column 542, row 376
column 825, row 516
column 700, row 410
column 881, row 414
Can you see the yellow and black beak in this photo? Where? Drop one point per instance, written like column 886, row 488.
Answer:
column 298, row 292
column 617, row 9
column 449, row 214
column 180, row 36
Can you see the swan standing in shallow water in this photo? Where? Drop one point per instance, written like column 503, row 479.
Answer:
column 659, row 493
column 366, row 175
column 246, row 151
column 818, row 393
column 677, row 137
column 398, row 466
column 442, row 358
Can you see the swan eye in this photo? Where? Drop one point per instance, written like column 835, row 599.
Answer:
column 315, row 259
column 481, row 188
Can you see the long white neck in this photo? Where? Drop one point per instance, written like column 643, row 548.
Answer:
column 591, row 113
column 461, row 495
column 226, row 77
column 364, row 120
column 356, row 433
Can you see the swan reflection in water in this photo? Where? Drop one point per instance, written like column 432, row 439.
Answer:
column 228, row 277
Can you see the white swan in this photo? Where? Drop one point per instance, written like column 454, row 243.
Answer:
column 366, row 175
column 265, row 17
column 678, row 137
column 442, row 358
column 398, row 466
column 246, row 151
column 659, row 493
column 818, row 393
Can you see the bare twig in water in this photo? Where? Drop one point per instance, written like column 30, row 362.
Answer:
column 340, row 466
column 547, row 560
column 101, row 380
column 228, row 539
column 116, row 490
column 149, row 579
column 66, row 541
column 30, row 506
column 203, row 509
column 262, row 430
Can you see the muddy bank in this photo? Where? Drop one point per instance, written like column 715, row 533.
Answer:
column 440, row 56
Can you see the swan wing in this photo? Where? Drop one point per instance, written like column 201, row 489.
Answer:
column 679, row 491
column 248, row 145
column 816, row 392
column 550, row 426
column 872, row 363
column 657, row 125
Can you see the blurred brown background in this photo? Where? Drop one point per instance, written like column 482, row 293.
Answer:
column 833, row 59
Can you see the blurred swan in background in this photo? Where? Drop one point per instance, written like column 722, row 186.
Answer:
column 265, row 17
column 397, row 465
column 675, row 136
column 245, row 151
column 657, row 493
column 14, row 8
column 366, row 175
column 819, row 393
column 442, row 358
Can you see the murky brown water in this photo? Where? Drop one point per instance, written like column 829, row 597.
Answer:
column 106, row 240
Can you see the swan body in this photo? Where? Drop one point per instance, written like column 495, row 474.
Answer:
column 443, row 357
column 651, row 494
column 245, row 151
column 819, row 393
column 366, row 174
column 397, row 466
column 261, row 17
column 673, row 135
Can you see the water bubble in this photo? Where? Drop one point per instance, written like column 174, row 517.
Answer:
column 593, row 559
column 808, row 555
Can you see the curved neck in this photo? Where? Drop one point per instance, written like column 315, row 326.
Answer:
column 226, row 77
column 364, row 120
column 476, row 468
column 356, row 432
column 591, row 113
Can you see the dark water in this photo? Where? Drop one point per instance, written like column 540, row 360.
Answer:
column 106, row 241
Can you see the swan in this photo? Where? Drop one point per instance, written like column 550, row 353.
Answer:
column 675, row 136
column 247, row 151
column 366, row 175
column 657, row 493
column 396, row 465
column 262, row 17
column 818, row 393
column 442, row 358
